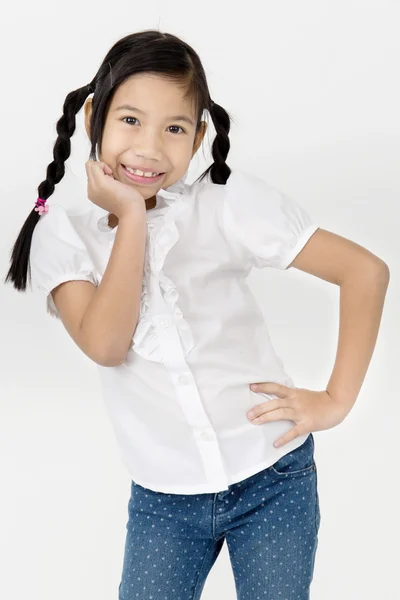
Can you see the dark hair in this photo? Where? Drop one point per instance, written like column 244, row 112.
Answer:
column 144, row 51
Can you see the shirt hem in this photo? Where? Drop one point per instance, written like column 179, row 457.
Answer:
column 206, row 489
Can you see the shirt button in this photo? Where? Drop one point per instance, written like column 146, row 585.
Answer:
column 207, row 435
column 164, row 322
column 183, row 379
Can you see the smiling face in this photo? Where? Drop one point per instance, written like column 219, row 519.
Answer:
column 151, row 127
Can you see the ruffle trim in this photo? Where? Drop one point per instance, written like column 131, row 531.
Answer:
column 162, row 235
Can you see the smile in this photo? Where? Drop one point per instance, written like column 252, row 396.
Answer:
column 139, row 177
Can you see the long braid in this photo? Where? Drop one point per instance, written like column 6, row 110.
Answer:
column 65, row 128
column 219, row 170
column 20, row 267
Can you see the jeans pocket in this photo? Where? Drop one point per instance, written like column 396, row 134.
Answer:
column 298, row 462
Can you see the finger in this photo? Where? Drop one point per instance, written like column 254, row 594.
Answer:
column 97, row 171
column 275, row 415
column 268, row 387
column 288, row 437
column 107, row 169
column 100, row 170
column 92, row 178
column 258, row 410
column 88, row 168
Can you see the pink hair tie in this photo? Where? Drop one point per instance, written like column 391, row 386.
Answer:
column 40, row 206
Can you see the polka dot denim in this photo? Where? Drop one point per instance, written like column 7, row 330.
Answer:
column 270, row 522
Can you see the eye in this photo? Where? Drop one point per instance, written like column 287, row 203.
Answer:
column 128, row 118
column 134, row 118
column 178, row 127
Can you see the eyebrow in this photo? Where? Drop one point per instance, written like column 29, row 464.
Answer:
column 175, row 118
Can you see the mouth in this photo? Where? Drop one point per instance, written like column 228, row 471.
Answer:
column 141, row 179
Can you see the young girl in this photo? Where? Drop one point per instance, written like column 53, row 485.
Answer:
column 150, row 284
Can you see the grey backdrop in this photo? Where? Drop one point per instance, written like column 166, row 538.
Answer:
column 314, row 90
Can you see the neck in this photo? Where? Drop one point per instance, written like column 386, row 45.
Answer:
column 151, row 202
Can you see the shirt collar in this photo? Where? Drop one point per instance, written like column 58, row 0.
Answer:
column 171, row 193
column 176, row 189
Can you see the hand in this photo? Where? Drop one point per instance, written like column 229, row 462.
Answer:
column 109, row 193
column 310, row 410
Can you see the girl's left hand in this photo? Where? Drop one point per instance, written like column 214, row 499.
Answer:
column 309, row 409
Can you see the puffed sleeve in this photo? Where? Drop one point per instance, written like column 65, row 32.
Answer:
column 58, row 254
column 269, row 226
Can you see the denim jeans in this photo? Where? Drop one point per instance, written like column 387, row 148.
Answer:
column 270, row 522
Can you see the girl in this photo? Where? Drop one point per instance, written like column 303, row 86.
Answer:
column 150, row 284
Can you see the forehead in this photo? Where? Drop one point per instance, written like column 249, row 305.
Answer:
column 152, row 93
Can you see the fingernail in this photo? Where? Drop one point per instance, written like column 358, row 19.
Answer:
column 253, row 386
column 250, row 414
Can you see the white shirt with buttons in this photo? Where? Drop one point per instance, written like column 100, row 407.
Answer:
column 178, row 403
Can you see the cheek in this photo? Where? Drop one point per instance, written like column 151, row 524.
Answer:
column 111, row 147
column 180, row 151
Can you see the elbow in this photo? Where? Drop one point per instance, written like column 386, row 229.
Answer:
column 372, row 275
column 111, row 359
column 382, row 272
column 379, row 277
column 373, row 271
column 109, row 363
column 104, row 363
column 387, row 272
column 115, row 355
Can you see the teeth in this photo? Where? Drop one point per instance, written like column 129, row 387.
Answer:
column 141, row 173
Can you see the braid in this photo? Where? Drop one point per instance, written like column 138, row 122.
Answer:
column 219, row 170
column 62, row 148
column 20, row 267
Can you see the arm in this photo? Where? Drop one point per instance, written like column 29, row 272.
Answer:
column 363, row 279
column 362, row 297
column 102, row 320
column 110, row 318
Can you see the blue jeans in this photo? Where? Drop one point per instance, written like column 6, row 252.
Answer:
column 270, row 522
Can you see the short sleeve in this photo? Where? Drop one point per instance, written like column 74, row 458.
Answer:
column 270, row 227
column 58, row 254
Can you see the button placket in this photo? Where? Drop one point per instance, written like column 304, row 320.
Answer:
column 189, row 399
column 184, row 379
column 172, row 349
column 207, row 435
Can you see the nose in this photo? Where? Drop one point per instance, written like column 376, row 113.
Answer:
column 148, row 145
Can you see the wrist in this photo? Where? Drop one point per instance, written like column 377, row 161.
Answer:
column 132, row 212
column 345, row 402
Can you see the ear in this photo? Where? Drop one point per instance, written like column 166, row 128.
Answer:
column 199, row 137
column 88, row 114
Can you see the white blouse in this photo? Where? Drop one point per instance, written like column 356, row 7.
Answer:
column 178, row 403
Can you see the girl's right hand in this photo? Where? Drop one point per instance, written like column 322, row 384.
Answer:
column 109, row 193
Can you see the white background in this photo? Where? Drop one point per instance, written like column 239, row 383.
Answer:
column 313, row 87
